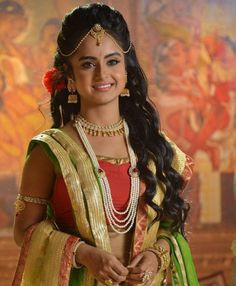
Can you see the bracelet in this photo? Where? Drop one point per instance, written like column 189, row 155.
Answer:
column 157, row 256
column 75, row 265
column 162, row 255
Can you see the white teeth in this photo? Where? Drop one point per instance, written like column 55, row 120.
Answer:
column 103, row 86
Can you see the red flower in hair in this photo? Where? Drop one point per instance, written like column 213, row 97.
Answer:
column 52, row 79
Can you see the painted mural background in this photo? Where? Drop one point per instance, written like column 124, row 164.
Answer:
column 188, row 51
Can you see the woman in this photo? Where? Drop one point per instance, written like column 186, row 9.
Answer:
column 106, row 174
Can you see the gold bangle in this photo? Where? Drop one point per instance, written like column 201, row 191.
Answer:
column 162, row 254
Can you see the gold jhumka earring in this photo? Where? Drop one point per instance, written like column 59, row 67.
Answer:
column 72, row 97
column 125, row 93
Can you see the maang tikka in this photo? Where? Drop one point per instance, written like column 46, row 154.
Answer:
column 72, row 97
column 97, row 32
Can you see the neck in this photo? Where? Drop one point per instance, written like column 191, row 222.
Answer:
column 101, row 116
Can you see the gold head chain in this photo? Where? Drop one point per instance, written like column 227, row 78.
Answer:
column 98, row 33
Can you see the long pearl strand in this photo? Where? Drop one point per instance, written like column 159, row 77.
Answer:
column 118, row 225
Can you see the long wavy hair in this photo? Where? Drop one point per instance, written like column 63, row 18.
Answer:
column 140, row 114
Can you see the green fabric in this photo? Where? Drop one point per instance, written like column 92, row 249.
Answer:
column 187, row 258
column 176, row 273
column 76, row 277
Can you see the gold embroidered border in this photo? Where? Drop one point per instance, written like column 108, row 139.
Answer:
column 179, row 159
column 83, row 189
column 72, row 183
column 47, row 262
column 180, row 259
column 90, row 188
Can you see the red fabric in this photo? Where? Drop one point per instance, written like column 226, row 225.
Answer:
column 119, row 182
column 23, row 256
column 62, row 206
column 66, row 262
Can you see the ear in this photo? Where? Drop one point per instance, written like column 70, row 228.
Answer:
column 71, row 84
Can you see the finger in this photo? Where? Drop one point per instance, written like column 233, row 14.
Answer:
column 120, row 269
column 117, row 278
column 135, row 270
column 103, row 278
column 135, row 277
column 136, row 260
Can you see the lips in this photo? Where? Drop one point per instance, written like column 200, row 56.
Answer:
column 102, row 86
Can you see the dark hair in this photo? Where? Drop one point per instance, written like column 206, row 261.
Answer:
column 138, row 111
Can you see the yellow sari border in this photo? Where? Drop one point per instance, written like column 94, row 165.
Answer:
column 71, row 179
column 87, row 187
column 83, row 189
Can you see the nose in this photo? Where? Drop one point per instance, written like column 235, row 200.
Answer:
column 100, row 72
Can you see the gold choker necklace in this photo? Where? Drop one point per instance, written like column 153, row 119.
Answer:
column 97, row 130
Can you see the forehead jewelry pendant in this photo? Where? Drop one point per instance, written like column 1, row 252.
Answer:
column 97, row 32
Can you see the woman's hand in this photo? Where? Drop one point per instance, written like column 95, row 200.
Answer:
column 143, row 268
column 101, row 264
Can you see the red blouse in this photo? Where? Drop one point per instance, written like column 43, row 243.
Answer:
column 119, row 182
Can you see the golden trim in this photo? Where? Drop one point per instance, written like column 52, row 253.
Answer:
column 180, row 259
column 82, row 186
column 233, row 247
column 179, row 159
column 116, row 161
column 88, row 185
column 71, row 179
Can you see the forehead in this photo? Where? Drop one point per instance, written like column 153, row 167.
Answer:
column 89, row 47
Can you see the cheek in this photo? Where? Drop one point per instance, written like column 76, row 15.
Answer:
column 81, row 79
column 120, row 76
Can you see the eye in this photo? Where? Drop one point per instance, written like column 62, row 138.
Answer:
column 113, row 62
column 88, row 65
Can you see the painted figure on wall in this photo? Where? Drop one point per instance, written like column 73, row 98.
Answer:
column 194, row 83
column 21, row 91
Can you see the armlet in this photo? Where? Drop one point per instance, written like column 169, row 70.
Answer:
column 21, row 199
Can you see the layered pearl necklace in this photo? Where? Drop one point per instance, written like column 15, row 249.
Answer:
column 118, row 225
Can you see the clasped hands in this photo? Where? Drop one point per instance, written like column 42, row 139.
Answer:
column 107, row 269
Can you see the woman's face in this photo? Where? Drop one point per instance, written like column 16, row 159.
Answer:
column 98, row 71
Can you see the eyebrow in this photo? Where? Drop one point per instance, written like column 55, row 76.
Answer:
column 94, row 58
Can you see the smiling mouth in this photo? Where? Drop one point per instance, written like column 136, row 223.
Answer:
column 103, row 86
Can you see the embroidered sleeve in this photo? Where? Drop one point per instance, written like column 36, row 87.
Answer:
column 188, row 170
column 182, row 163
